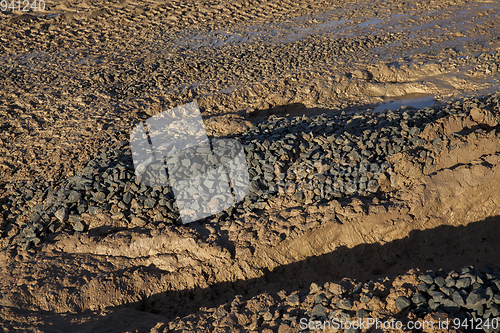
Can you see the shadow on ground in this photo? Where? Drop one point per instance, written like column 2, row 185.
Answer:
column 444, row 247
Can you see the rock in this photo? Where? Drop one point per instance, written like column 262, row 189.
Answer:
column 495, row 311
column 427, row 278
column 79, row 226
column 402, row 303
column 447, row 291
column 365, row 298
column 149, row 203
column 117, row 216
column 471, row 276
column 293, row 300
column 127, row 197
column 267, row 316
column 345, row 304
column 319, row 311
column 94, row 210
column 320, row 298
column 418, row 298
column 358, row 288
column 422, row 287
column 440, row 281
column 137, row 222
column 463, row 283
column 35, row 217
column 450, row 282
column 450, row 306
column 336, row 289
column 100, row 196
column 438, row 296
column 61, row 214
column 314, row 288
column 433, row 304
column 362, row 313
column 475, row 299
column 74, row 196
column 496, row 282
column 74, row 218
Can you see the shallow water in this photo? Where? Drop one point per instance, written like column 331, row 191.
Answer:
column 418, row 103
column 370, row 22
column 282, row 32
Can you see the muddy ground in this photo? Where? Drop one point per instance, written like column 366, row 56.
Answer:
column 78, row 76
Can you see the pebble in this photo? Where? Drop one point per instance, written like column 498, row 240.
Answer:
column 319, row 311
column 61, row 214
column 345, row 304
column 402, row 303
column 427, row 278
column 79, row 226
column 418, row 298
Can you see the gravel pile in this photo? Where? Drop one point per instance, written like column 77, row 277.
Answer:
column 308, row 159
column 468, row 294
column 465, row 293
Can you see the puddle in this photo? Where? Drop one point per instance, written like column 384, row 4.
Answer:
column 331, row 24
column 369, row 23
column 418, row 103
column 278, row 33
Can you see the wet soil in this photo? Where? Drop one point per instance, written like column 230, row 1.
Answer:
column 79, row 76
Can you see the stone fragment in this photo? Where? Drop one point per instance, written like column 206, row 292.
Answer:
column 74, row 196
column 149, row 203
column 422, row 287
column 362, row 313
column 320, row 298
column 78, row 226
column 61, row 214
column 402, row 303
column 293, row 300
column 319, row 311
column 336, row 289
column 100, row 196
column 475, row 299
column 440, row 281
column 314, row 288
column 268, row 316
column 345, row 304
column 118, row 216
column 137, row 222
column 94, row 210
column 427, row 278
column 418, row 298
column 463, row 283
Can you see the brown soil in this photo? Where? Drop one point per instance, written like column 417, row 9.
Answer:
column 56, row 111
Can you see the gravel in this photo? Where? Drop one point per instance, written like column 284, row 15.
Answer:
column 315, row 159
column 376, row 300
column 464, row 300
